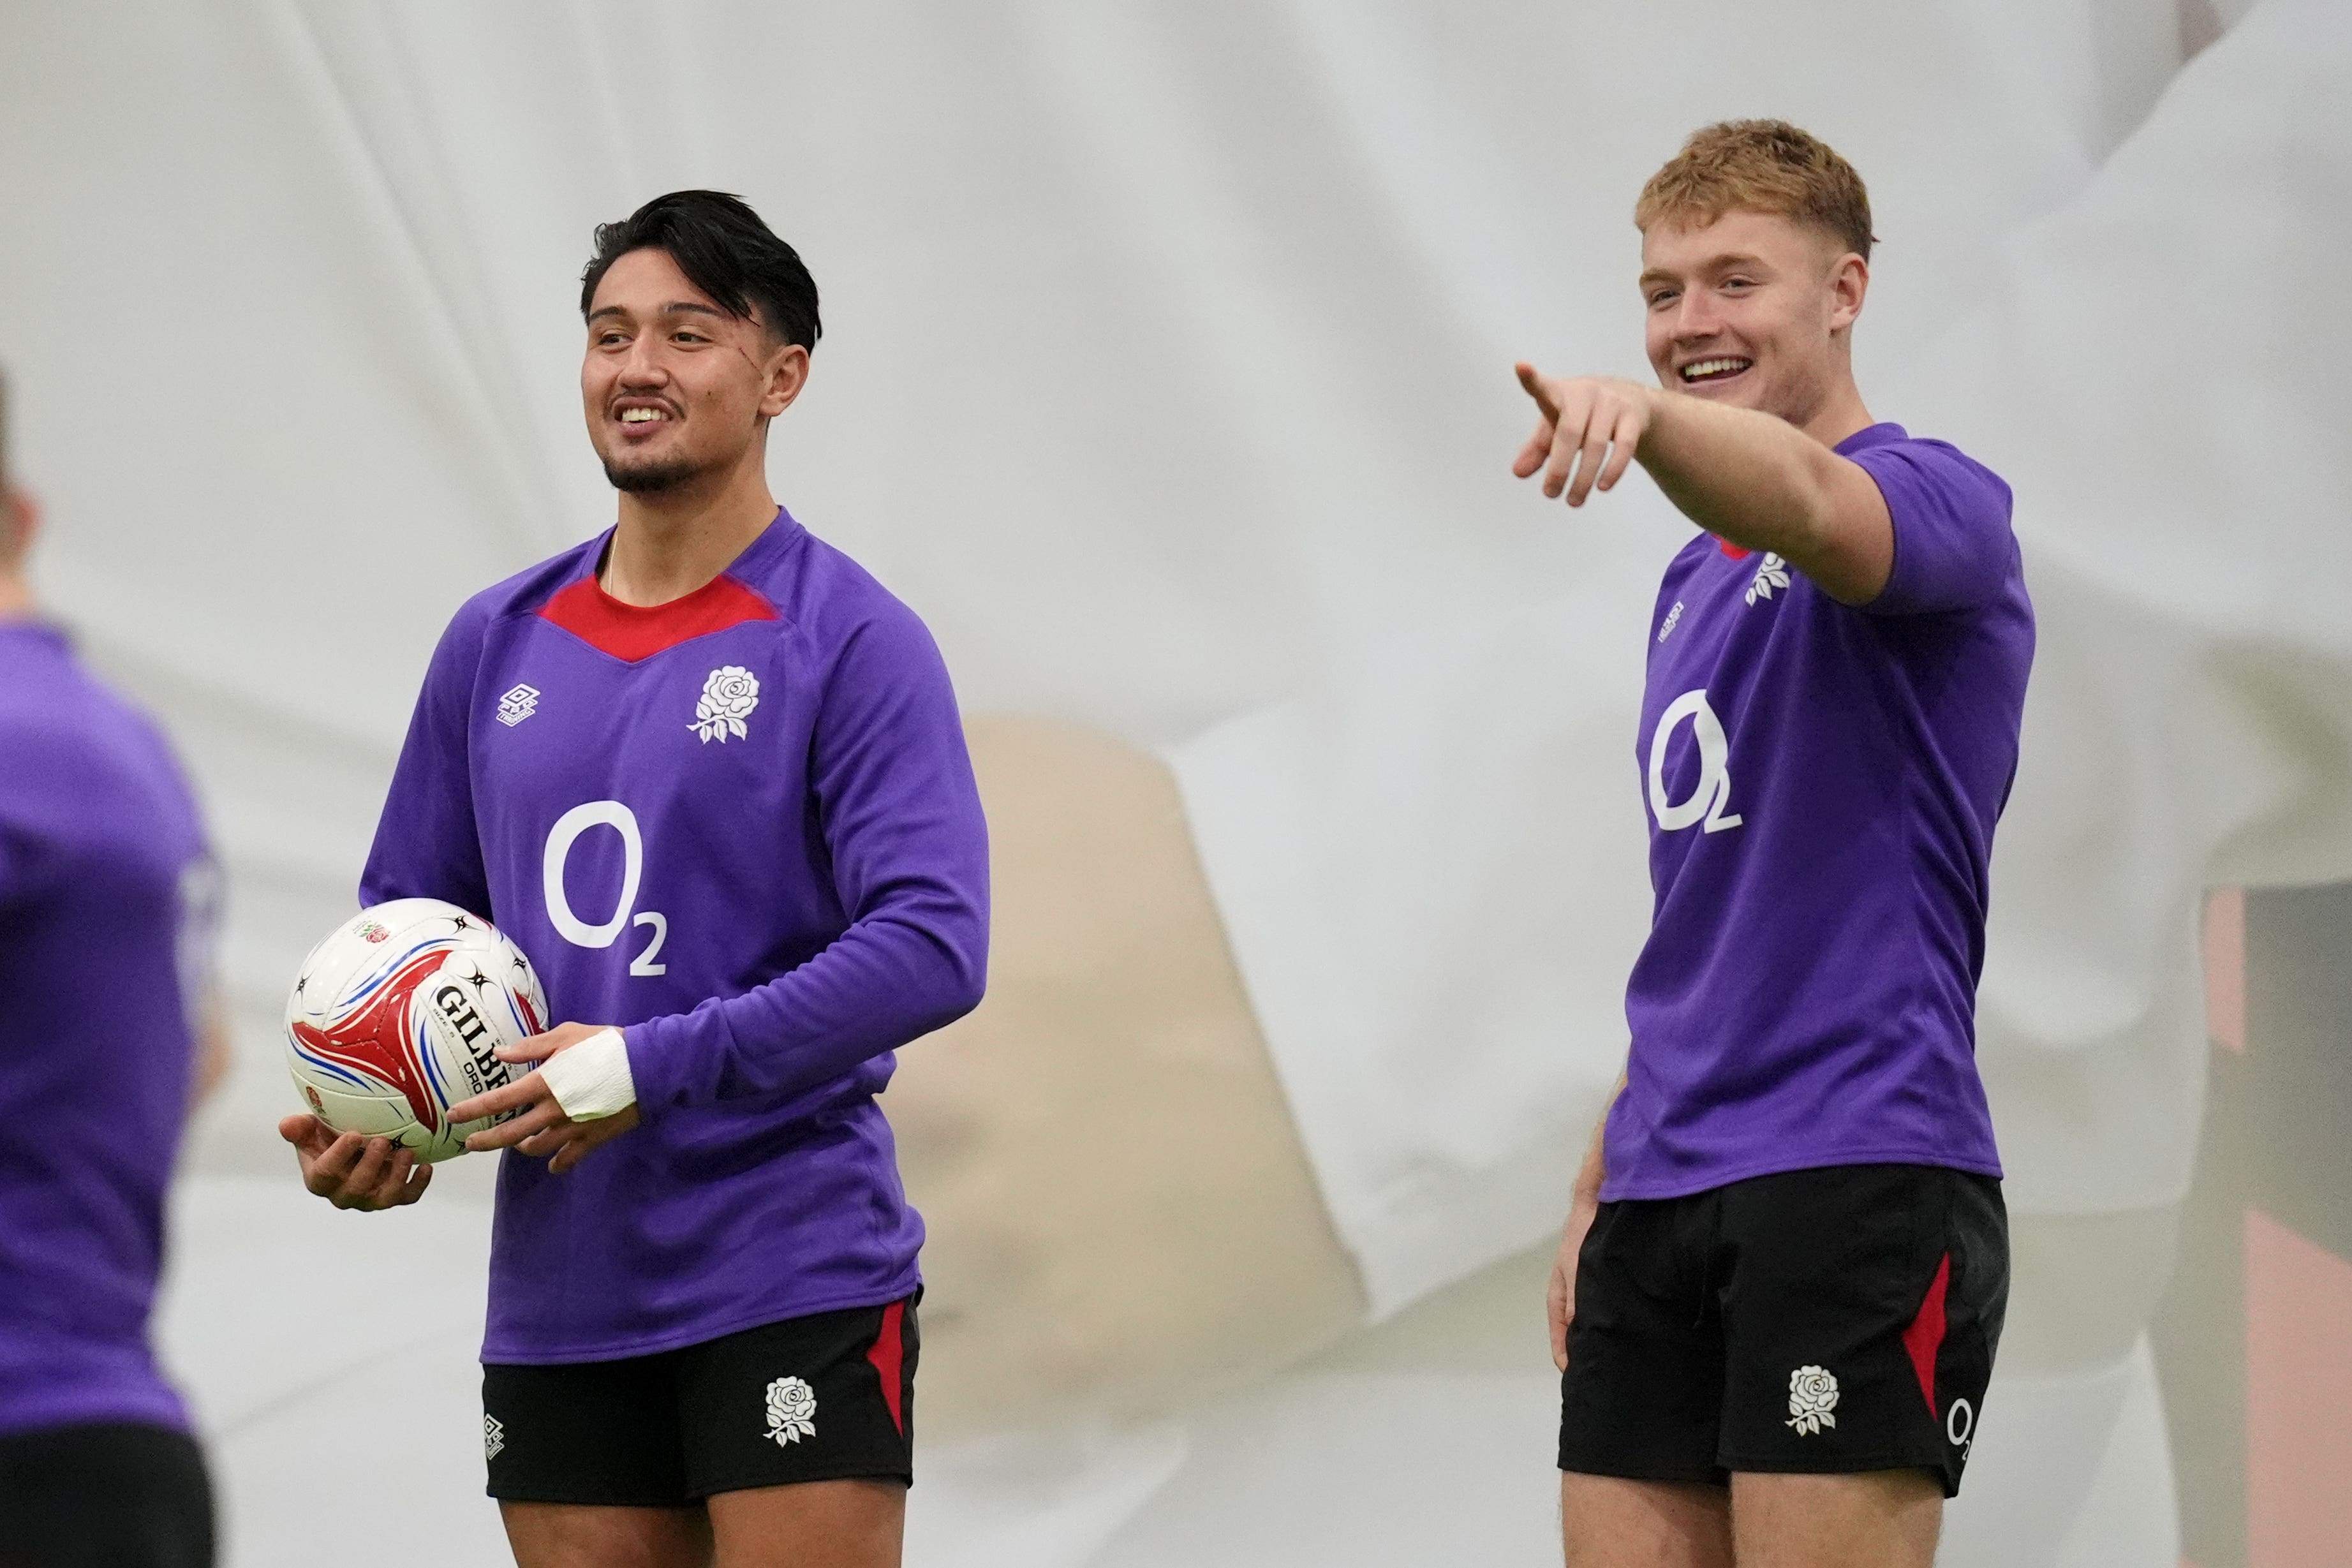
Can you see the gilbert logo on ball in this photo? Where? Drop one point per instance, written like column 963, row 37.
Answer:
column 398, row 1015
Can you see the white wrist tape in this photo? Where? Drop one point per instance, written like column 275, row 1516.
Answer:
column 591, row 1079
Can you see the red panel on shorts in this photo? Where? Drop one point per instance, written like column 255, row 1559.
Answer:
column 632, row 632
column 1925, row 1337
column 888, row 1356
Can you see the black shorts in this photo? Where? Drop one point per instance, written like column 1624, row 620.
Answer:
column 1820, row 1322
column 114, row 1494
column 825, row 1397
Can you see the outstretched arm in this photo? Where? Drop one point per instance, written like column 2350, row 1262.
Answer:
column 1749, row 478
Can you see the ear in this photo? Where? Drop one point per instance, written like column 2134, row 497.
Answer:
column 788, row 372
column 1849, row 282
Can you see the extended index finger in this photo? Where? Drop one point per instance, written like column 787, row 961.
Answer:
column 523, row 1091
column 1535, row 387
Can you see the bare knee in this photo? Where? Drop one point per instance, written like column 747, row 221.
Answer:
column 1606, row 1521
column 569, row 1535
column 1878, row 1519
column 812, row 1524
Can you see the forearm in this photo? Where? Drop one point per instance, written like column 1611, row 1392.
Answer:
column 1749, row 478
column 1594, row 1171
column 886, row 981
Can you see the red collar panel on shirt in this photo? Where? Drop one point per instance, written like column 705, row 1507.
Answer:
column 1737, row 552
column 632, row 632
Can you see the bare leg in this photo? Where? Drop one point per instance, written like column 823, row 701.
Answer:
column 1609, row 1522
column 813, row 1524
column 569, row 1535
column 1882, row 1519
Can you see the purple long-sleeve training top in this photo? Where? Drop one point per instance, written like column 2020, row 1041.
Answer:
column 743, row 825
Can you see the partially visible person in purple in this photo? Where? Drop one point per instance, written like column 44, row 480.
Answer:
column 1786, row 1263
column 711, row 776
column 111, row 1032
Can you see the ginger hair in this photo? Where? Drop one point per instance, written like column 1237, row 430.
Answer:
column 1760, row 165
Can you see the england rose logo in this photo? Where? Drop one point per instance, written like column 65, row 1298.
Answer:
column 1773, row 573
column 791, row 1411
column 1812, row 1394
column 728, row 699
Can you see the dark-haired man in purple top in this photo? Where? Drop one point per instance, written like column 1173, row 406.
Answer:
column 1782, row 1279
column 110, row 1031
column 710, row 774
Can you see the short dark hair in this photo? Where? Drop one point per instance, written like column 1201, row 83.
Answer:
column 726, row 251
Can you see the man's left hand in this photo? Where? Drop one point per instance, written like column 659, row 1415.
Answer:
column 540, row 1127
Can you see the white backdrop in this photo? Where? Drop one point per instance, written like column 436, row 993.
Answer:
column 1167, row 374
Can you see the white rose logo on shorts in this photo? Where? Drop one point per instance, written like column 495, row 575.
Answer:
column 791, row 1411
column 1812, row 1394
column 728, row 699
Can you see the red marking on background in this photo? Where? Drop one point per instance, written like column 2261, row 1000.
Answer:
column 1925, row 1337
column 1738, row 553
column 2225, row 968
column 888, row 1355
column 376, row 1039
column 632, row 632
column 2298, row 1399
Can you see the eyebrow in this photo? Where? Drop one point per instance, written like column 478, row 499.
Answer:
column 675, row 307
column 1712, row 264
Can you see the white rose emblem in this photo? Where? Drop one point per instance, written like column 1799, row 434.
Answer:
column 1772, row 573
column 728, row 699
column 792, row 1410
column 1812, row 1394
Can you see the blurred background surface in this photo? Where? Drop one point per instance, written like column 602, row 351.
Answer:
column 1168, row 376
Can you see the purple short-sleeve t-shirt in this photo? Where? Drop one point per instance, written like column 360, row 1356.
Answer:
column 1822, row 782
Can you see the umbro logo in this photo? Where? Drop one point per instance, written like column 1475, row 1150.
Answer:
column 494, row 1437
column 519, row 704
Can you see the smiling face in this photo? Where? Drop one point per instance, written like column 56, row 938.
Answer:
column 675, row 388
column 1753, row 310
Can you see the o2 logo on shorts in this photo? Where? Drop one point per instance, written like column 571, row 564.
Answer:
column 566, row 832
column 1960, row 1426
column 1713, row 792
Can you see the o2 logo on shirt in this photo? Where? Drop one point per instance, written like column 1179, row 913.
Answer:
column 1713, row 792
column 566, row 832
